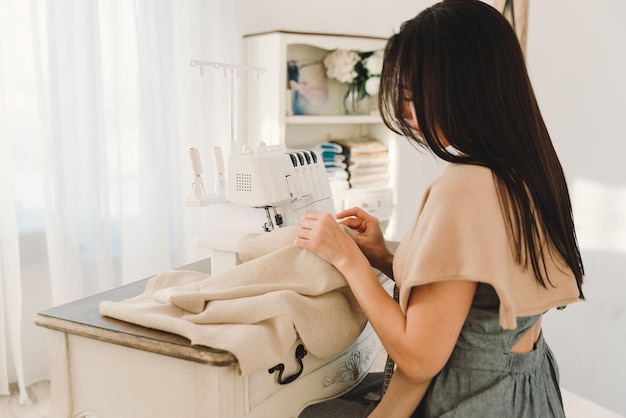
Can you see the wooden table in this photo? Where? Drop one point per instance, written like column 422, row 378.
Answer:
column 106, row 368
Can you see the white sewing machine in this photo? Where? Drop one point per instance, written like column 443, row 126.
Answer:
column 285, row 184
column 281, row 184
column 104, row 368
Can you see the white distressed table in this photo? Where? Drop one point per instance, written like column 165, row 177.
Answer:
column 106, row 368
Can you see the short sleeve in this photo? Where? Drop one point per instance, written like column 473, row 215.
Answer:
column 460, row 234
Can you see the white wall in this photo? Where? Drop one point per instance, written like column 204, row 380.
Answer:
column 577, row 61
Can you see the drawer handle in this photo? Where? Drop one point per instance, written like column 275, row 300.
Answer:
column 371, row 207
column 300, row 353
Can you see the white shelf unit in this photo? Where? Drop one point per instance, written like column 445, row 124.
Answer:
column 269, row 119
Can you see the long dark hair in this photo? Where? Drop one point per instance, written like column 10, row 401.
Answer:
column 460, row 64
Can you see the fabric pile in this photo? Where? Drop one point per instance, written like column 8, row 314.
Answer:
column 335, row 164
column 367, row 161
column 278, row 294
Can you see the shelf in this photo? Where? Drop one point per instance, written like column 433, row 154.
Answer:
column 332, row 119
column 270, row 103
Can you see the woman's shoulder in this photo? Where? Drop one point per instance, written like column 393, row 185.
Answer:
column 463, row 180
column 466, row 173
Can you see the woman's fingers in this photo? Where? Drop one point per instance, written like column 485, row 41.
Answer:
column 354, row 212
column 316, row 225
column 352, row 223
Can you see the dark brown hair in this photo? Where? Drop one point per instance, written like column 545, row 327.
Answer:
column 460, row 64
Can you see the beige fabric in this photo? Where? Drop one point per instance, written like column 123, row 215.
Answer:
column 256, row 310
column 460, row 234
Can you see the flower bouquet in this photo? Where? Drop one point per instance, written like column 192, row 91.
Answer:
column 360, row 70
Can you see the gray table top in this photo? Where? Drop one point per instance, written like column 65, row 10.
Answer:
column 82, row 317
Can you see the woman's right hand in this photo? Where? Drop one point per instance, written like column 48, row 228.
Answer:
column 369, row 237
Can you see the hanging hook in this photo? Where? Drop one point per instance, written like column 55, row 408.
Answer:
column 226, row 67
column 280, row 368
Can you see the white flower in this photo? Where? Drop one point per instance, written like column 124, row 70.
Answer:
column 374, row 63
column 349, row 67
column 340, row 65
column 372, row 84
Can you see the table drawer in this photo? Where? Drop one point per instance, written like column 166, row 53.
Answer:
column 378, row 203
column 326, row 378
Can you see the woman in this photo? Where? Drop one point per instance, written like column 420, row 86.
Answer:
column 493, row 245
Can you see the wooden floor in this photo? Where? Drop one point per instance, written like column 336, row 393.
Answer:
column 39, row 403
column 35, row 407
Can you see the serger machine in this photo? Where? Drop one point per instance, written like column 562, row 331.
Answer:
column 270, row 188
column 285, row 184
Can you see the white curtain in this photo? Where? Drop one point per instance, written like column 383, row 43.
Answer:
column 98, row 108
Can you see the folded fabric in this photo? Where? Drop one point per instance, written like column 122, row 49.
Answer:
column 332, row 156
column 332, row 165
column 360, row 145
column 358, row 170
column 256, row 310
column 337, row 174
column 330, row 146
column 338, row 185
column 369, row 179
column 370, row 161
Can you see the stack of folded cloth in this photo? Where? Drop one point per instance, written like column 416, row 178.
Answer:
column 367, row 161
column 335, row 165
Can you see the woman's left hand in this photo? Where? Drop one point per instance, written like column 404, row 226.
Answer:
column 320, row 233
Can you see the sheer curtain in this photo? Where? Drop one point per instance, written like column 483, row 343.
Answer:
column 98, row 107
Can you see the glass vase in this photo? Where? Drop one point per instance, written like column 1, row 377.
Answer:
column 355, row 101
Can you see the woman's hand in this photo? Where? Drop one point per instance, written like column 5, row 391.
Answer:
column 320, row 233
column 369, row 237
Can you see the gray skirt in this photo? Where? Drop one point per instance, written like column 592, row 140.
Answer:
column 482, row 378
column 480, row 383
column 474, row 383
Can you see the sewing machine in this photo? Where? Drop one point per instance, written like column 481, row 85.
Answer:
column 102, row 367
column 279, row 183
column 285, row 184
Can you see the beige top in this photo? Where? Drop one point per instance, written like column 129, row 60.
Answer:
column 460, row 234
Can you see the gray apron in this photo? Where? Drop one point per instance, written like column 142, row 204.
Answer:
column 484, row 379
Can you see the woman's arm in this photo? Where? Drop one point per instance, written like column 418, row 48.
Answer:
column 421, row 341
